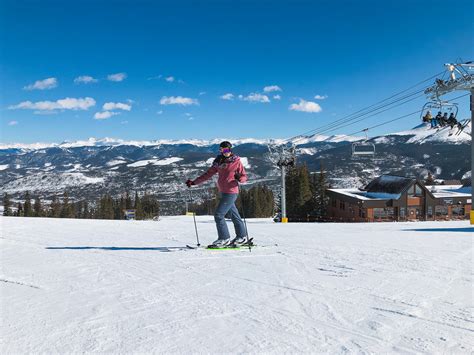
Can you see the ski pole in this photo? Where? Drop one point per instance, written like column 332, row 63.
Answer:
column 243, row 215
column 194, row 218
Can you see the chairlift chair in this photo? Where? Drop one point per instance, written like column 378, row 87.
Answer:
column 439, row 106
column 363, row 148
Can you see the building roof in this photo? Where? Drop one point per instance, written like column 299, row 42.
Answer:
column 451, row 182
column 445, row 191
column 389, row 184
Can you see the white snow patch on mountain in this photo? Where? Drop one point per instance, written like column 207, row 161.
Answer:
column 3, row 167
column 46, row 181
column 467, row 175
column 93, row 286
column 307, row 151
column 423, row 133
column 166, row 161
column 115, row 162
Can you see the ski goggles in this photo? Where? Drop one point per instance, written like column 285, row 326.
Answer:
column 225, row 150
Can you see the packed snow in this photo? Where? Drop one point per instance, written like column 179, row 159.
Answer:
column 3, row 167
column 96, row 286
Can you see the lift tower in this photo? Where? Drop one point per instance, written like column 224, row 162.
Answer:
column 282, row 156
column 461, row 77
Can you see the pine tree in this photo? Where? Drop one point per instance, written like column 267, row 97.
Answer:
column 55, row 208
column 430, row 180
column 322, row 198
column 128, row 201
column 7, row 205
column 67, row 210
column 19, row 210
column 85, row 211
column 38, row 207
column 138, row 207
column 27, row 210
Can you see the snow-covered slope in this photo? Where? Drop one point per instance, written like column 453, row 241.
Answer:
column 422, row 134
column 91, row 286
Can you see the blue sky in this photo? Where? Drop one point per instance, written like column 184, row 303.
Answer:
column 176, row 59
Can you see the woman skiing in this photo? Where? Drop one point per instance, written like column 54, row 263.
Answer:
column 231, row 173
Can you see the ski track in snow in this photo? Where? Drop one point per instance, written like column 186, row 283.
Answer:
column 129, row 286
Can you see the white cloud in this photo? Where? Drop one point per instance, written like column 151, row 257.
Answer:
column 109, row 106
column 255, row 97
column 202, row 93
column 227, row 96
column 12, row 123
column 117, row 77
column 271, row 88
column 276, row 97
column 321, row 97
column 68, row 103
column 85, row 79
column 45, row 84
column 159, row 112
column 178, row 100
column 305, row 106
column 156, row 77
column 170, row 79
column 104, row 115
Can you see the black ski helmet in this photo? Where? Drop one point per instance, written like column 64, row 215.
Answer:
column 225, row 144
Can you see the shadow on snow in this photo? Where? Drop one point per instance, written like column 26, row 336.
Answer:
column 160, row 249
column 458, row 230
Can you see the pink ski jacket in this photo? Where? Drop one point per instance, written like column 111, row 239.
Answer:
column 226, row 168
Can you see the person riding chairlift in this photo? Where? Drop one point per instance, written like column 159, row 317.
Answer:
column 452, row 121
column 444, row 119
column 427, row 118
column 438, row 119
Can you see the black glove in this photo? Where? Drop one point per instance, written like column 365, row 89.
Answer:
column 190, row 183
column 237, row 176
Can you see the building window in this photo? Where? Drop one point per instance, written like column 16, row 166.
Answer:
column 402, row 212
column 342, row 205
column 361, row 212
column 441, row 210
column 430, row 211
column 415, row 191
column 384, row 213
column 458, row 211
column 418, row 190
column 333, row 202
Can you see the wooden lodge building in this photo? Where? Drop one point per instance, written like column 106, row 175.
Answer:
column 396, row 198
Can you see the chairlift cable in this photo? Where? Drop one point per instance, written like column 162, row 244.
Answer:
column 368, row 107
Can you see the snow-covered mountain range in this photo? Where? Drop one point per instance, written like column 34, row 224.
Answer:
column 94, row 166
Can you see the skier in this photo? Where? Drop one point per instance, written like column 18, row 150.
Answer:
column 231, row 172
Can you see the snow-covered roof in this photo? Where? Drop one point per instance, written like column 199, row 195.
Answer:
column 365, row 196
column 444, row 191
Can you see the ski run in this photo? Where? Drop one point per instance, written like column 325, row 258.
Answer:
column 96, row 286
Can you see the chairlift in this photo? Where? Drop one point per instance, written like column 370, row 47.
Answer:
column 438, row 106
column 363, row 148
